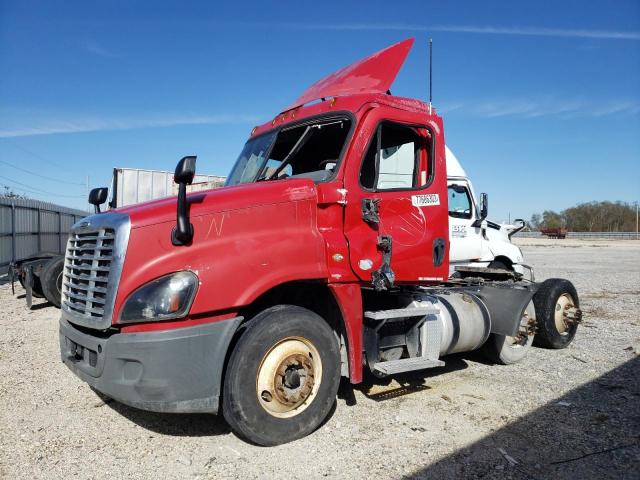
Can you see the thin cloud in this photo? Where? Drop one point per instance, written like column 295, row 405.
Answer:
column 541, row 32
column 98, row 124
column 547, row 107
column 474, row 29
column 99, row 50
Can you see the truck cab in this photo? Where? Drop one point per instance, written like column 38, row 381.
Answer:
column 474, row 241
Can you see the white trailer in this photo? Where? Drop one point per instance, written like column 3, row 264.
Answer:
column 134, row 185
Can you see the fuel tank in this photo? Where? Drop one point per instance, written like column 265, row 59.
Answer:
column 463, row 324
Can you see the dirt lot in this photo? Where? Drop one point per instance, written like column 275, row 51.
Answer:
column 571, row 413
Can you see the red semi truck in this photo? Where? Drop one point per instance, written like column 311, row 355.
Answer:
column 325, row 255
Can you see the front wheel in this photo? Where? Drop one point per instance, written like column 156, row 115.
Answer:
column 282, row 377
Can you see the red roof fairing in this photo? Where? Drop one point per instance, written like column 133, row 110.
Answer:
column 373, row 74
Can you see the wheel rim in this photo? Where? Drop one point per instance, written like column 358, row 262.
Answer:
column 525, row 332
column 564, row 303
column 289, row 377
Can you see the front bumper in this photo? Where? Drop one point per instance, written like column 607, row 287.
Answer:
column 177, row 370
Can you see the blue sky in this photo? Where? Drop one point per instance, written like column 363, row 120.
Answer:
column 541, row 100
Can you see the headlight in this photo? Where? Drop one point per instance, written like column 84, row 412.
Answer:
column 161, row 299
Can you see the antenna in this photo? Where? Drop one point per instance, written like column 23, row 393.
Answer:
column 430, row 73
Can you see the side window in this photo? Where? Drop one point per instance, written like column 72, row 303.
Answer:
column 398, row 158
column 459, row 202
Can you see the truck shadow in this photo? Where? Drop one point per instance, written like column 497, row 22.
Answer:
column 174, row 424
column 372, row 387
column 591, row 432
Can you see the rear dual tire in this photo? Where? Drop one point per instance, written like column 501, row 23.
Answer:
column 283, row 376
column 507, row 350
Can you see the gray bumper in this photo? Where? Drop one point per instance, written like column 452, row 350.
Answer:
column 177, row 370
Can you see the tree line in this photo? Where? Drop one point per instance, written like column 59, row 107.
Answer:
column 589, row 217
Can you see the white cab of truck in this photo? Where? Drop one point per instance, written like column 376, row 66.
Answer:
column 474, row 241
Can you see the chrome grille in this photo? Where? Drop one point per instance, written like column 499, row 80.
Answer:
column 86, row 274
column 93, row 262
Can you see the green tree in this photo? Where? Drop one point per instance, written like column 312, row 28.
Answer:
column 591, row 217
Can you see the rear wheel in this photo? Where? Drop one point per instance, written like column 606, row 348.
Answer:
column 507, row 349
column 51, row 280
column 282, row 377
column 558, row 313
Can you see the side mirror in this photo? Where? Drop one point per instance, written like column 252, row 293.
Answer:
column 484, row 206
column 185, row 170
column 182, row 233
column 98, row 196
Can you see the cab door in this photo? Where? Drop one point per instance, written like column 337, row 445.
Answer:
column 396, row 212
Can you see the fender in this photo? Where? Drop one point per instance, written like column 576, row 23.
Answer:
column 349, row 299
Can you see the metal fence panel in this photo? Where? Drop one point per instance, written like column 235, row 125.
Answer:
column 28, row 227
column 50, row 242
column 587, row 235
column 5, row 220
column 26, row 220
column 49, row 221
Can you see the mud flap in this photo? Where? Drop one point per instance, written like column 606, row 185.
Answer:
column 506, row 304
column 28, row 285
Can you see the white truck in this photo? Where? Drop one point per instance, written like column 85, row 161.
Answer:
column 474, row 241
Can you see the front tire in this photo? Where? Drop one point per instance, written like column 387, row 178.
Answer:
column 282, row 377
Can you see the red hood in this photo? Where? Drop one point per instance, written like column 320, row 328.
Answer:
column 220, row 200
column 373, row 74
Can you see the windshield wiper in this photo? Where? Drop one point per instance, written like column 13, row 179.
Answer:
column 296, row 148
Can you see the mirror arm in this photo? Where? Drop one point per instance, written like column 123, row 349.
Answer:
column 182, row 233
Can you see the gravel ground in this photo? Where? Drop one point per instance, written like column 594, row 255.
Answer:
column 571, row 413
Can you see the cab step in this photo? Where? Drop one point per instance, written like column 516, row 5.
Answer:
column 406, row 365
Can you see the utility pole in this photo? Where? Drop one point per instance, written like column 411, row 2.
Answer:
column 637, row 220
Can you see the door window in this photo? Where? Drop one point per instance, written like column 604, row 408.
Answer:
column 459, row 201
column 398, row 158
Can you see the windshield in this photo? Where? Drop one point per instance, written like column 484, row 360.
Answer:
column 251, row 160
column 310, row 150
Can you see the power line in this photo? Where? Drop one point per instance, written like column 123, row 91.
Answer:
column 36, row 155
column 41, row 176
column 38, row 190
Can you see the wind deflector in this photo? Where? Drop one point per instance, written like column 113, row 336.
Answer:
column 373, row 74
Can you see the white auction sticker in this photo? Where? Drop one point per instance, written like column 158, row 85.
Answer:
column 425, row 200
